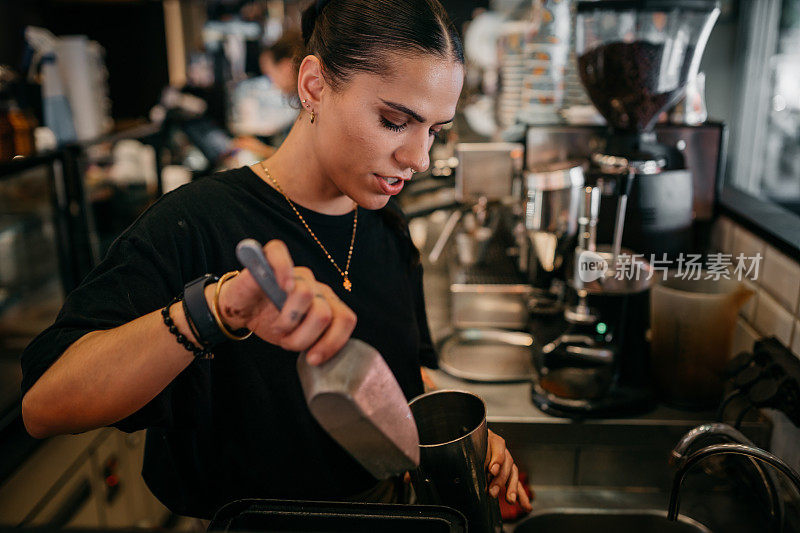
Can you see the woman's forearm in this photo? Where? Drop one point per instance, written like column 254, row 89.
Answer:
column 107, row 375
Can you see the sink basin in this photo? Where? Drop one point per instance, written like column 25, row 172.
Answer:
column 615, row 476
column 594, row 520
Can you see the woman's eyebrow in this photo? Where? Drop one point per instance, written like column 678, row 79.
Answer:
column 413, row 114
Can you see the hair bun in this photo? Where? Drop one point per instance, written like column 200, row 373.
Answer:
column 309, row 18
column 308, row 21
column 321, row 5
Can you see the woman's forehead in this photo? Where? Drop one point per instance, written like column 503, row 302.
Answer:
column 427, row 84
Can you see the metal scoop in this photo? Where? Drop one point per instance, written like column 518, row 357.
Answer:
column 354, row 395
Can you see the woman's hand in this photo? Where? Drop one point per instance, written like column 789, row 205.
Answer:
column 504, row 473
column 313, row 317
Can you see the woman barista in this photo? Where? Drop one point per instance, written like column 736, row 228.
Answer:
column 131, row 345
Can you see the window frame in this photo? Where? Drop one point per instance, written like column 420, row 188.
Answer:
column 758, row 37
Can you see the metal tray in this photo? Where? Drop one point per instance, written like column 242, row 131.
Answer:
column 487, row 355
column 284, row 516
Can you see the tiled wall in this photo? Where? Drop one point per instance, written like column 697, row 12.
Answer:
column 774, row 309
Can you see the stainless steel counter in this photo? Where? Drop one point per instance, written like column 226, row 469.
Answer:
column 510, row 402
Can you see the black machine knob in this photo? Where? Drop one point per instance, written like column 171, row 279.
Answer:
column 747, row 377
column 738, row 363
column 766, row 391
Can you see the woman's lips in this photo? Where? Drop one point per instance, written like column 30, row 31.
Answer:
column 386, row 187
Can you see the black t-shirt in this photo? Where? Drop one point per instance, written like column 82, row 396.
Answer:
column 237, row 426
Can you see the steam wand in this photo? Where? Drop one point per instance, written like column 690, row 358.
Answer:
column 625, row 184
column 587, row 241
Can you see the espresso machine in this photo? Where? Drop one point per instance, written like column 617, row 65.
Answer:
column 488, row 300
column 634, row 59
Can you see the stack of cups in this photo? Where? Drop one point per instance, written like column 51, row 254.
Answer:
column 533, row 61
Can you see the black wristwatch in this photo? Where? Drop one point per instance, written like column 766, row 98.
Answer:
column 199, row 315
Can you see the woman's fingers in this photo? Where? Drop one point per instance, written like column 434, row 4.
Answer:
column 280, row 260
column 298, row 304
column 243, row 302
column 505, row 473
column 513, row 483
column 342, row 324
column 495, row 453
column 314, row 322
column 524, row 500
column 312, row 319
column 502, row 477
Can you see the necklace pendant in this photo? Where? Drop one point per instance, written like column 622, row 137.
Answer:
column 347, row 285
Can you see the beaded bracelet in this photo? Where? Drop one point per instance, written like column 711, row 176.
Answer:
column 199, row 353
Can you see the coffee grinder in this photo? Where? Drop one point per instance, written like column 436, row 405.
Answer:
column 595, row 366
column 634, row 59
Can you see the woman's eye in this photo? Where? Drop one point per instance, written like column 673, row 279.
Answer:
column 435, row 133
column 391, row 125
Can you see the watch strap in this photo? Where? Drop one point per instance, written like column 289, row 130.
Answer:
column 198, row 314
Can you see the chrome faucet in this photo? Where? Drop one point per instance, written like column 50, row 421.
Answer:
column 725, row 433
column 716, row 430
column 724, row 449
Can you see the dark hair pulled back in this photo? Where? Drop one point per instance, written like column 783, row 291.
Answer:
column 350, row 36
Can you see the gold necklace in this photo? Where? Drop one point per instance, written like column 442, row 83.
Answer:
column 345, row 273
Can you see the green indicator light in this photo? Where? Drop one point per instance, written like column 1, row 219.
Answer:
column 601, row 328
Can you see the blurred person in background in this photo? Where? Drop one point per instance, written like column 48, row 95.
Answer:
column 279, row 62
column 278, row 103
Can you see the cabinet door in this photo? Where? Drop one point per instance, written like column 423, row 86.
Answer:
column 75, row 504
column 42, row 475
column 110, row 477
column 146, row 510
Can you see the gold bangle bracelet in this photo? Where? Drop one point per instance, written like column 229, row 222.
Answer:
column 233, row 335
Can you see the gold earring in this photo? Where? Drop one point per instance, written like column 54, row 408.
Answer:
column 313, row 115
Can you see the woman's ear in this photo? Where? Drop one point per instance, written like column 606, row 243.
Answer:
column 310, row 83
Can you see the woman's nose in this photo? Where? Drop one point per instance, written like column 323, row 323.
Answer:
column 413, row 153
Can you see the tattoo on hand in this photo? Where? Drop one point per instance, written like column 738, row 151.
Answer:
column 295, row 316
